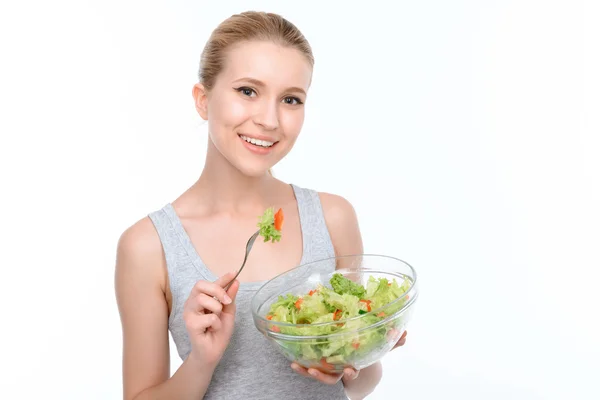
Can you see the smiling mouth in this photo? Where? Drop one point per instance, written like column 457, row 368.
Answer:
column 258, row 142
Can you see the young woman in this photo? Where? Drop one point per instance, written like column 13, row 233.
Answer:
column 173, row 265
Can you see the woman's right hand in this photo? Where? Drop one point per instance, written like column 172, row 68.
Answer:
column 209, row 315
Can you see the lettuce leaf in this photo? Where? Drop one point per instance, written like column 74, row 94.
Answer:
column 266, row 224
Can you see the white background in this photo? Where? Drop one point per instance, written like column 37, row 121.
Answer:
column 465, row 133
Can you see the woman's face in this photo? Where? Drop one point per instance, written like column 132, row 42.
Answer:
column 255, row 110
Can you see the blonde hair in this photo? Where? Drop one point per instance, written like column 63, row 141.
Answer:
column 247, row 26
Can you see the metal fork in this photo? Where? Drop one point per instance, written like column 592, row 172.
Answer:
column 249, row 245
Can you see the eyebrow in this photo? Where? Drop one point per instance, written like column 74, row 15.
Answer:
column 262, row 84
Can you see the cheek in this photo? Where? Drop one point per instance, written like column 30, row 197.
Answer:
column 237, row 111
column 228, row 113
column 292, row 123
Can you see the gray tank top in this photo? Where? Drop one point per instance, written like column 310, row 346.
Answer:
column 250, row 368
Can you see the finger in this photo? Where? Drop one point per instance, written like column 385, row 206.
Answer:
column 300, row 369
column 228, row 312
column 211, row 289
column 401, row 341
column 328, row 379
column 350, row 373
column 225, row 279
column 204, row 302
column 200, row 323
column 232, row 293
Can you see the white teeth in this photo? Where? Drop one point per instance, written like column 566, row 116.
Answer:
column 257, row 142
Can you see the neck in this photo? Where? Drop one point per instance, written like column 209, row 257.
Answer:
column 223, row 188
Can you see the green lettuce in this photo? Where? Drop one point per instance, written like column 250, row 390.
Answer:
column 266, row 225
column 343, row 301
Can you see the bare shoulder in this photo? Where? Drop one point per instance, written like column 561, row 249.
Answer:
column 140, row 259
column 336, row 208
column 342, row 223
column 140, row 239
column 140, row 244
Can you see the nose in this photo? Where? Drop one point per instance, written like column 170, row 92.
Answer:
column 267, row 116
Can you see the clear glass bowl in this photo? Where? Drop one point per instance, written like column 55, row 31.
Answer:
column 358, row 341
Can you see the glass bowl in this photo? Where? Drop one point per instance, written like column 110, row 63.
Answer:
column 354, row 341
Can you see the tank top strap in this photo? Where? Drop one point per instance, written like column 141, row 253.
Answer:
column 316, row 240
column 168, row 237
column 177, row 245
column 184, row 267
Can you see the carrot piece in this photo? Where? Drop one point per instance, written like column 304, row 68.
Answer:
column 326, row 365
column 337, row 315
column 279, row 219
column 297, row 303
column 368, row 303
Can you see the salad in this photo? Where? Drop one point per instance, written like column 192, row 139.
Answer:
column 270, row 225
column 342, row 302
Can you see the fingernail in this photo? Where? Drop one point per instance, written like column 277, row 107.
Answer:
column 227, row 299
column 295, row 368
column 313, row 372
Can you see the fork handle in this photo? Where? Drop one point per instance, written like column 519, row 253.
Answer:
column 249, row 245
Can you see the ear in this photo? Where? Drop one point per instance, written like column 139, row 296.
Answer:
column 200, row 100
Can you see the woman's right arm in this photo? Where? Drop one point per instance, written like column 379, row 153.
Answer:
column 140, row 286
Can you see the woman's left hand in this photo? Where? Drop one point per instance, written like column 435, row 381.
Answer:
column 327, row 378
column 400, row 341
column 349, row 374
